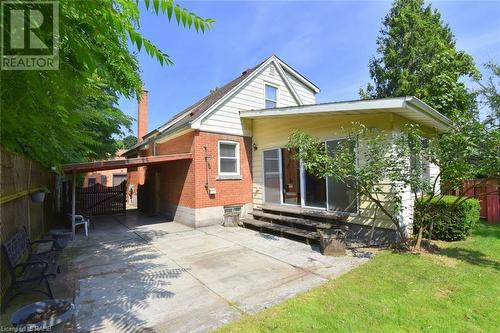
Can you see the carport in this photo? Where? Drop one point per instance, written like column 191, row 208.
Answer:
column 75, row 168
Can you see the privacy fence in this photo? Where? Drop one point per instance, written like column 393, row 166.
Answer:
column 19, row 178
column 97, row 199
column 487, row 191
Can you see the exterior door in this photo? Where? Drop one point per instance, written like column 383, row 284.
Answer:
column 272, row 179
column 290, row 177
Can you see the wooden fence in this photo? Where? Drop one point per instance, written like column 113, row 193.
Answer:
column 97, row 199
column 487, row 191
column 20, row 176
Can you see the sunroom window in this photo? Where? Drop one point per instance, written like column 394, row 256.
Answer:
column 229, row 158
column 271, row 96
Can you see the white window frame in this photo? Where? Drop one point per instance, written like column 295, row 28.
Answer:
column 237, row 157
column 277, row 94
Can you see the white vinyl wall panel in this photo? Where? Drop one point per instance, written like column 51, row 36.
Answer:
column 306, row 95
column 226, row 118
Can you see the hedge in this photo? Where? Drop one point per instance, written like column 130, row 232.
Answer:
column 452, row 222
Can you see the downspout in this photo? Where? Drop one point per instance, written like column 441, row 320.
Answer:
column 207, row 165
column 73, row 205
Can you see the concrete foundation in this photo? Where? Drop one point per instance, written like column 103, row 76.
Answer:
column 200, row 217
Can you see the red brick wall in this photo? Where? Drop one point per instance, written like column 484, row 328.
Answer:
column 229, row 191
column 108, row 173
column 183, row 182
column 142, row 115
column 176, row 181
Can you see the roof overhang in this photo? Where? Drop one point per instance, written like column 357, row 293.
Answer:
column 124, row 163
column 408, row 107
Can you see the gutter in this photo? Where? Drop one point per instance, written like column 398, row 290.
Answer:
column 170, row 132
column 427, row 110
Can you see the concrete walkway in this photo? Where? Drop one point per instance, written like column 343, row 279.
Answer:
column 136, row 274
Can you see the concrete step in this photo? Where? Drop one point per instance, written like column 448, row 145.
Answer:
column 284, row 231
column 291, row 221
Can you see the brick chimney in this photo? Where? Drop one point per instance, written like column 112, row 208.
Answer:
column 142, row 115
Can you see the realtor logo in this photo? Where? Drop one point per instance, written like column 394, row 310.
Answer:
column 30, row 35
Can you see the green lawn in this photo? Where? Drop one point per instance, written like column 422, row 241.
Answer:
column 457, row 290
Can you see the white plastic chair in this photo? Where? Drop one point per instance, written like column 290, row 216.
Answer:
column 80, row 220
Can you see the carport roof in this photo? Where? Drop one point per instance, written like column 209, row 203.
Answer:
column 124, row 163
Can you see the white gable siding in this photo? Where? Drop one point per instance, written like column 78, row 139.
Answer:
column 226, row 119
column 306, row 95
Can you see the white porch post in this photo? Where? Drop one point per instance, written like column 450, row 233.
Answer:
column 73, row 205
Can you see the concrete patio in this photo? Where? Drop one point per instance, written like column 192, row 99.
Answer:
column 136, row 273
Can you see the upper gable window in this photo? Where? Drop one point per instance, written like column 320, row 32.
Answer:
column 271, row 96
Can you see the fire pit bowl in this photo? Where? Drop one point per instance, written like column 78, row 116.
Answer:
column 49, row 315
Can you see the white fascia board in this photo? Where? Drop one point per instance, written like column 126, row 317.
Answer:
column 196, row 123
column 277, row 64
column 297, row 75
column 393, row 103
column 427, row 110
column 399, row 106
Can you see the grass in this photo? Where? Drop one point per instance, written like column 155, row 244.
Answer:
column 454, row 290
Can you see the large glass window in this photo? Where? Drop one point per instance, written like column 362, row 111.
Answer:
column 229, row 158
column 342, row 196
column 272, row 176
column 315, row 192
column 271, row 96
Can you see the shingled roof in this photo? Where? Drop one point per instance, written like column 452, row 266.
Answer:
column 195, row 110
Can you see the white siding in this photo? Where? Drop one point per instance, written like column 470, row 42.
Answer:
column 433, row 173
column 226, row 119
column 306, row 95
column 273, row 133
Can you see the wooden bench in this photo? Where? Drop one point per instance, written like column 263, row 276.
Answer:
column 27, row 267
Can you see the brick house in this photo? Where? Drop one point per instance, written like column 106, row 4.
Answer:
column 107, row 177
column 237, row 136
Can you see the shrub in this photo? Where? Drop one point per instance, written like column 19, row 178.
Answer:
column 451, row 221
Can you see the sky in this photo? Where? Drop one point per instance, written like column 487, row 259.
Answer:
column 329, row 42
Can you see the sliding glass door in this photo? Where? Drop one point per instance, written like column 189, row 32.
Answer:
column 342, row 196
column 314, row 190
column 287, row 182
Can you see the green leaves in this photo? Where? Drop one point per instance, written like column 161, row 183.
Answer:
column 70, row 115
column 182, row 15
column 417, row 57
column 489, row 93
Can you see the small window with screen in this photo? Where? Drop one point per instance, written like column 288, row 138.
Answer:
column 271, row 96
column 229, row 158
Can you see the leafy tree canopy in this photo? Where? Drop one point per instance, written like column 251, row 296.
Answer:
column 70, row 114
column 417, row 57
column 128, row 141
column 490, row 94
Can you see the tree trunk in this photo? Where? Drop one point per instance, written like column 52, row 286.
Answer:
column 419, row 238
column 430, row 230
